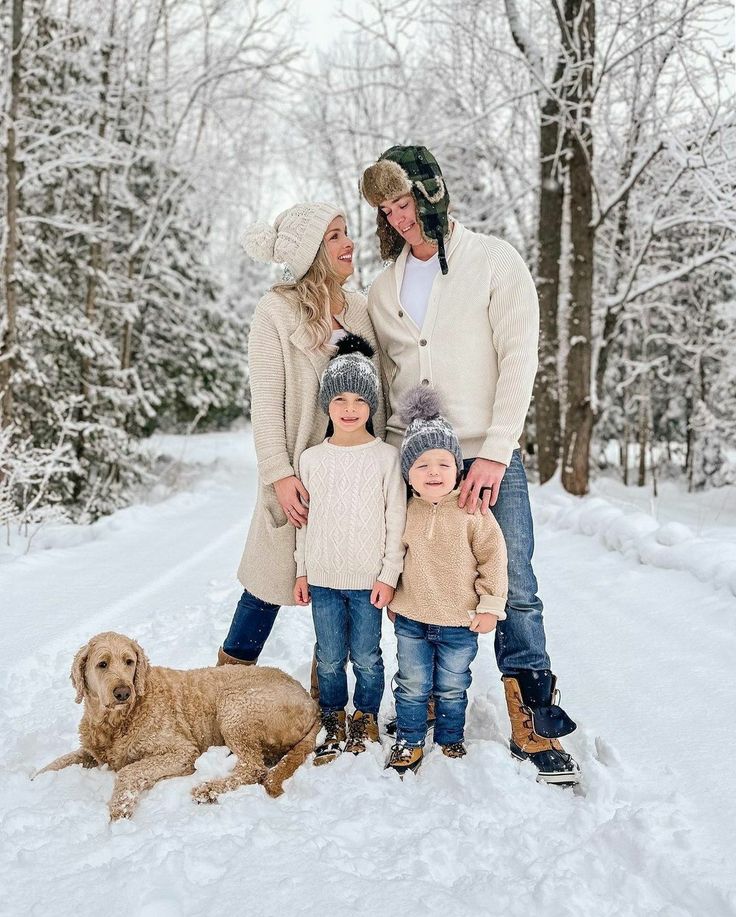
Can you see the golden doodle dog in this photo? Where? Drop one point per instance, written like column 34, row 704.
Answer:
column 148, row 722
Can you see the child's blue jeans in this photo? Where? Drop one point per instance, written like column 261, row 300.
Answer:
column 347, row 625
column 432, row 660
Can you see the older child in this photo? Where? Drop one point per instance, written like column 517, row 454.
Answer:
column 453, row 586
column 349, row 556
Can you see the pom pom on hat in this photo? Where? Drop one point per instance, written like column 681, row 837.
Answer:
column 419, row 403
column 258, row 241
column 354, row 343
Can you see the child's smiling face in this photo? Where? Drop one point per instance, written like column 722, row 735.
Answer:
column 434, row 474
column 349, row 412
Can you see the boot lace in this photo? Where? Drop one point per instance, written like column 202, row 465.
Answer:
column 358, row 729
column 331, row 725
column 401, row 752
column 455, row 750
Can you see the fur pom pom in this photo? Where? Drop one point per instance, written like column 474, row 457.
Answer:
column 258, row 241
column 419, row 403
column 354, row 343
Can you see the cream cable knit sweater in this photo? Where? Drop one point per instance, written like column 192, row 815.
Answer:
column 357, row 507
column 455, row 565
column 477, row 345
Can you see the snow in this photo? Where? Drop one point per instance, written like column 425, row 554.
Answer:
column 641, row 633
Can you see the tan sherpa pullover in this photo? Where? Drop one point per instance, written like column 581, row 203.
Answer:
column 357, row 509
column 477, row 344
column 455, row 564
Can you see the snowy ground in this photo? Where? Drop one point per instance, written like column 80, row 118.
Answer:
column 641, row 620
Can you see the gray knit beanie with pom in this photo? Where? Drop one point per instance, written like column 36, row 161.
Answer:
column 350, row 370
column 421, row 410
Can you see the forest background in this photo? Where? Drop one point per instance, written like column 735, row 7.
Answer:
column 140, row 136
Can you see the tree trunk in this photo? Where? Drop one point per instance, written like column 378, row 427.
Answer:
column 643, row 436
column 8, row 328
column 578, row 409
column 549, row 244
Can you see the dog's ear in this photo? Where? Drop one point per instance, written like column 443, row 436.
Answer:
column 77, row 676
column 141, row 669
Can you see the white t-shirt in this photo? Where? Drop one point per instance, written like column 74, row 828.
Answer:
column 338, row 333
column 417, row 285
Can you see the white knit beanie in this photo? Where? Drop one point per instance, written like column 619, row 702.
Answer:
column 295, row 237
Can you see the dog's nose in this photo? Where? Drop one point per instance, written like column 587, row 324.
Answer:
column 121, row 693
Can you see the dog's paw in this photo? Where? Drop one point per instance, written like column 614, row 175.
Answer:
column 274, row 788
column 205, row 793
column 119, row 811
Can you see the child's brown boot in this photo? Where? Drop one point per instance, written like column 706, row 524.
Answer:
column 362, row 728
column 455, row 750
column 333, row 724
column 405, row 758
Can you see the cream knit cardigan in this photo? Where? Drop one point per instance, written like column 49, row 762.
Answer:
column 286, row 418
column 477, row 345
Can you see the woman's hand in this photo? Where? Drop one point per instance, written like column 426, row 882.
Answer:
column 301, row 591
column 290, row 492
column 484, row 622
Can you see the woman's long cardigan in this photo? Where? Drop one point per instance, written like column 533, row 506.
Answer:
column 286, row 417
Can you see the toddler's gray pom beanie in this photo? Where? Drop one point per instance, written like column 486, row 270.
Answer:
column 421, row 410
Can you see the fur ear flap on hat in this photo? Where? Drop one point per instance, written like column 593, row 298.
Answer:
column 384, row 181
column 258, row 241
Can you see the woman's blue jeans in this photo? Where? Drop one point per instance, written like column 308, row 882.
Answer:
column 432, row 660
column 347, row 626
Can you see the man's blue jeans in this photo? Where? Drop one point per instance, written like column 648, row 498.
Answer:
column 520, row 640
column 347, row 625
column 432, row 660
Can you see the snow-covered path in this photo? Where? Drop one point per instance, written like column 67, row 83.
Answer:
column 645, row 657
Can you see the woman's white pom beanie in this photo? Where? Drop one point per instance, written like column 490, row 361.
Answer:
column 294, row 239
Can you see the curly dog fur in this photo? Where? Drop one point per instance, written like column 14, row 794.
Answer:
column 148, row 723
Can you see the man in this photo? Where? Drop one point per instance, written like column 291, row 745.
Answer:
column 458, row 310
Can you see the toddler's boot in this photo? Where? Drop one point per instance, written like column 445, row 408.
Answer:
column 362, row 728
column 537, row 722
column 454, row 750
column 405, row 758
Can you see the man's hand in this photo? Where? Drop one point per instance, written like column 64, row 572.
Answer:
column 381, row 594
column 483, row 474
column 301, row 591
column 483, row 623
column 290, row 492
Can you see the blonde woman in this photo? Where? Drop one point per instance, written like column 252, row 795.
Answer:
column 294, row 332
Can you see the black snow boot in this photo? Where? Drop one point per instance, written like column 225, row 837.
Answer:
column 537, row 722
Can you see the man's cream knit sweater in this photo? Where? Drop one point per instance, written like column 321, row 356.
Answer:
column 477, row 345
column 455, row 565
column 357, row 508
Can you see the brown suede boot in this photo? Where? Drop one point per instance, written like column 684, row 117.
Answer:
column 313, row 680
column 333, row 726
column 547, row 755
column 362, row 728
column 224, row 658
column 455, row 750
column 405, row 758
